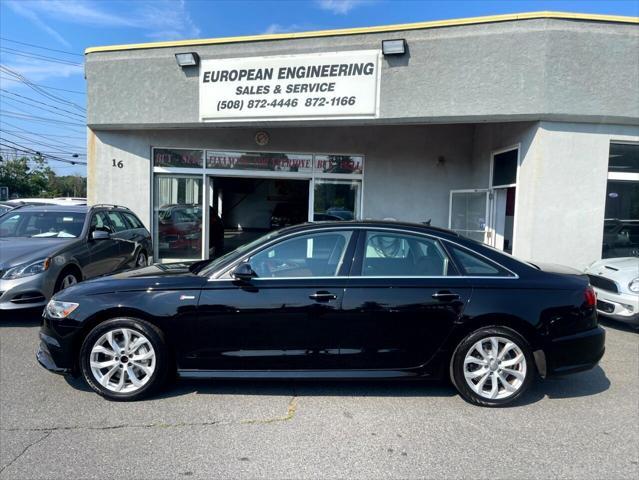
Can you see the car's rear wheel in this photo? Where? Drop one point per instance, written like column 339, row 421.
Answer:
column 124, row 359
column 492, row 366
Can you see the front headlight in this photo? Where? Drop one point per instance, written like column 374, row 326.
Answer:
column 57, row 309
column 27, row 269
column 634, row 285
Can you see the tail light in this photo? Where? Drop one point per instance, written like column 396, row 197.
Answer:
column 590, row 297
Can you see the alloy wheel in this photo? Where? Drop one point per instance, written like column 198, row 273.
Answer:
column 122, row 360
column 141, row 261
column 495, row 368
column 68, row 280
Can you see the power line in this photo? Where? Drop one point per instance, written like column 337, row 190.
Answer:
column 22, row 103
column 44, row 86
column 26, row 81
column 22, row 148
column 38, row 46
column 43, row 135
column 45, row 58
column 39, row 102
column 39, row 119
column 46, row 135
column 60, row 148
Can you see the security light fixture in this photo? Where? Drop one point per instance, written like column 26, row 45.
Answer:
column 394, row 47
column 190, row 59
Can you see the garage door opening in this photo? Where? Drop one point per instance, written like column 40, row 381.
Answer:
column 242, row 209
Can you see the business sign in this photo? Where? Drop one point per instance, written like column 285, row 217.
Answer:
column 276, row 162
column 292, row 87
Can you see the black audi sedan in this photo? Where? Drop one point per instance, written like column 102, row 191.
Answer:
column 339, row 300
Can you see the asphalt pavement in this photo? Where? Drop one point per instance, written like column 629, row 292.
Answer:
column 580, row 426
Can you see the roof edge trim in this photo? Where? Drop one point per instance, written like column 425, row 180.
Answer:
column 376, row 29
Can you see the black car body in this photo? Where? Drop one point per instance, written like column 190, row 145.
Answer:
column 401, row 301
column 64, row 245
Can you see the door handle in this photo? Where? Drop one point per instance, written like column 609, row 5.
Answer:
column 322, row 296
column 445, row 295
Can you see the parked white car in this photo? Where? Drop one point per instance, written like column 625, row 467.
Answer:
column 616, row 282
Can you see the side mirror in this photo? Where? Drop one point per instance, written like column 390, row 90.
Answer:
column 100, row 235
column 244, row 272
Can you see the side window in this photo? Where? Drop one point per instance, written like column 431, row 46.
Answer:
column 117, row 221
column 474, row 265
column 388, row 254
column 99, row 221
column 315, row 255
column 133, row 220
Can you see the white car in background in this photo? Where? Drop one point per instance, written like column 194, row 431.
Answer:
column 616, row 282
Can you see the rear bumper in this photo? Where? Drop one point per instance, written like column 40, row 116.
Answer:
column 575, row 353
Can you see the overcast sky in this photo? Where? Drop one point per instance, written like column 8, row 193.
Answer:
column 49, row 115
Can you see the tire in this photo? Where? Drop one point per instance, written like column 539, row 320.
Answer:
column 493, row 380
column 141, row 260
column 127, row 374
column 68, row 277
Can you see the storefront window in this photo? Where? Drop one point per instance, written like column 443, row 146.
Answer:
column 163, row 157
column 336, row 199
column 178, row 217
column 621, row 225
column 505, row 168
column 624, row 158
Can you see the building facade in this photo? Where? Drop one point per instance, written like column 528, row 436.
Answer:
column 521, row 131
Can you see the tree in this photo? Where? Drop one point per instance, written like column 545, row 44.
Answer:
column 32, row 177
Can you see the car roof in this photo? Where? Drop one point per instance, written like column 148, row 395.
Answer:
column 54, row 208
column 416, row 227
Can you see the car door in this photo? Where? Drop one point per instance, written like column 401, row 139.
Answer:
column 123, row 235
column 403, row 299
column 103, row 254
column 289, row 316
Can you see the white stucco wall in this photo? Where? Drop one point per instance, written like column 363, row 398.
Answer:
column 562, row 192
column 408, row 172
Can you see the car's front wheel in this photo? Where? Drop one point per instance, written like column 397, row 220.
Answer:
column 492, row 366
column 124, row 359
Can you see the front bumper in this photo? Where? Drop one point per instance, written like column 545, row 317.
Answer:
column 26, row 292
column 575, row 353
column 57, row 348
column 623, row 307
column 43, row 355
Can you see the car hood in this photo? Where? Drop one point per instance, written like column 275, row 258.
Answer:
column 608, row 266
column 172, row 276
column 14, row 251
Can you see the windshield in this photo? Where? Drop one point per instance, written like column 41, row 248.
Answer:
column 234, row 254
column 42, row 224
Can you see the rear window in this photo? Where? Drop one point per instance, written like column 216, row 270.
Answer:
column 133, row 220
column 117, row 221
column 475, row 265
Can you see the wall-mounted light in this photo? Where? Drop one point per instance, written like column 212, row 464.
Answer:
column 394, row 47
column 190, row 59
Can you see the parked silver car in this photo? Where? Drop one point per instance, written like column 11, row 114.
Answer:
column 44, row 249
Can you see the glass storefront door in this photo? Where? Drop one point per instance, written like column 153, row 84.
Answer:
column 469, row 213
column 177, row 211
column 336, row 199
column 231, row 197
